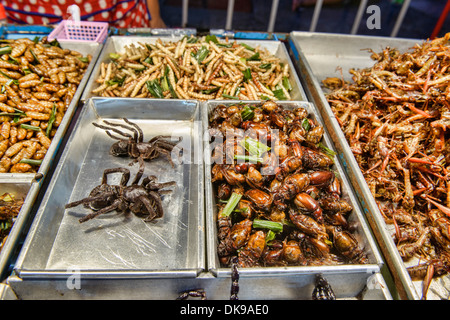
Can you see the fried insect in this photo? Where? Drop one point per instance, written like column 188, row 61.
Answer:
column 202, row 68
column 196, row 293
column 395, row 117
column 9, row 209
column 272, row 210
column 133, row 145
column 144, row 199
column 32, row 103
column 322, row 289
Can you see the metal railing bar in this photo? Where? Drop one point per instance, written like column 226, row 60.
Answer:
column 230, row 12
column 401, row 16
column 273, row 16
column 315, row 18
column 359, row 14
column 184, row 13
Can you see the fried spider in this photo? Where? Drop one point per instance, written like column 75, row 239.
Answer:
column 133, row 145
column 144, row 200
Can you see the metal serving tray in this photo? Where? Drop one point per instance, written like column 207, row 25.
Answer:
column 29, row 184
column 115, row 245
column 317, row 57
column 117, row 44
column 356, row 275
column 21, row 189
column 84, row 48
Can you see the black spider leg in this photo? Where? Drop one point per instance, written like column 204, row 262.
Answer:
column 234, row 279
column 125, row 175
column 139, row 174
column 139, row 130
column 88, row 199
column 136, row 133
column 152, row 213
column 94, row 214
column 164, row 143
column 158, row 203
column 158, row 186
column 127, row 135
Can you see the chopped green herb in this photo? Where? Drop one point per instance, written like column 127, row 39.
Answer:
column 252, row 159
column 279, row 94
column 212, row 38
column 286, row 84
column 327, row 150
column 36, row 60
column 84, row 59
column 230, row 97
column 231, row 204
column 51, row 120
column 247, row 74
column 247, row 113
column 254, row 57
column 209, row 91
column 31, row 161
column 306, row 124
column 114, row 56
column 266, row 224
column 155, row 89
column 30, row 127
column 254, row 147
column 149, row 60
column 246, row 46
column 12, row 114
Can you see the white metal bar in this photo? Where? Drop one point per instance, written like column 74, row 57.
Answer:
column 400, row 18
column 316, row 14
column 273, row 15
column 230, row 11
column 184, row 13
column 359, row 14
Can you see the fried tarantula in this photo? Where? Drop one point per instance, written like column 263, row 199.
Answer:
column 143, row 200
column 134, row 146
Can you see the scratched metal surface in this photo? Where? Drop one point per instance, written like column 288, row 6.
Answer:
column 115, row 245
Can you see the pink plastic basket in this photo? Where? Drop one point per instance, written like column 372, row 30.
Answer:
column 83, row 31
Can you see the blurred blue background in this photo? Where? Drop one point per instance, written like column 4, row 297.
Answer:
column 337, row 16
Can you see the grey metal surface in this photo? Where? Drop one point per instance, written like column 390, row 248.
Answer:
column 114, row 245
column 362, row 232
column 117, row 44
column 284, row 287
column 21, row 189
column 317, row 57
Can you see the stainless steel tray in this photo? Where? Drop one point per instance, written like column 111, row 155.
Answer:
column 111, row 245
column 117, row 44
column 84, row 48
column 362, row 232
column 21, row 189
column 292, row 287
column 29, row 184
column 317, row 57
column 33, row 280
